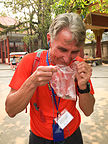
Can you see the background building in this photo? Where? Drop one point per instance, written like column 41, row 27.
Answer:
column 10, row 42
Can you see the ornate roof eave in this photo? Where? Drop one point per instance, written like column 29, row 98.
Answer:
column 96, row 21
column 92, row 27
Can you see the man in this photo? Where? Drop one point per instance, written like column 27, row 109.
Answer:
column 66, row 38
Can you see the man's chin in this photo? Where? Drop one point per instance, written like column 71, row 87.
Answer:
column 61, row 63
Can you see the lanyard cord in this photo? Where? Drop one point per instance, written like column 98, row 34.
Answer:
column 53, row 106
column 47, row 59
column 57, row 105
column 53, row 93
column 53, row 97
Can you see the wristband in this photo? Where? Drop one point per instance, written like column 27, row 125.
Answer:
column 87, row 90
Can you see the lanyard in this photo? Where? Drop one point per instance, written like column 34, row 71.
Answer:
column 47, row 59
column 57, row 105
column 55, row 101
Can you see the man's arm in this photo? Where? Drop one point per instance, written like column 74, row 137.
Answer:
column 17, row 100
column 86, row 103
column 86, row 100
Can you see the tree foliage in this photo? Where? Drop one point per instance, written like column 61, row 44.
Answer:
column 80, row 6
column 90, row 36
column 33, row 17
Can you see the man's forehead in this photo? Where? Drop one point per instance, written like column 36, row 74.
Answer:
column 66, row 35
column 69, row 41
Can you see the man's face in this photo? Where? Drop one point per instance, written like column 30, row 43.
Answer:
column 63, row 49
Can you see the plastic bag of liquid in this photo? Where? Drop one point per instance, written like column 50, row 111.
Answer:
column 63, row 81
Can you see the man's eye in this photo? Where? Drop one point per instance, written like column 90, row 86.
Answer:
column 74, row 52
column 62, row 50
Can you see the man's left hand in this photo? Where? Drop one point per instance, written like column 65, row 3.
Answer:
column 84, row 72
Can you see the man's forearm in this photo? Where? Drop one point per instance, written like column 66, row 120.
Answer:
column 18, row 100
column 86, row 103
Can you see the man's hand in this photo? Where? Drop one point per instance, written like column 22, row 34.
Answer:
column 43, row 75
column 86, row 100
column 84, row 73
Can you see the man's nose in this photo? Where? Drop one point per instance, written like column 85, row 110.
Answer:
column 67, row 58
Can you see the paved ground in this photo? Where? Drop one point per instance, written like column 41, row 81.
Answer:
column 94, row 128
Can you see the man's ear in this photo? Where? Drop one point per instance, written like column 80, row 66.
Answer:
column 48, row 38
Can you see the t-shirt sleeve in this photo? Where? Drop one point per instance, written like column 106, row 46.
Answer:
column 23, row 71
column 91, row 87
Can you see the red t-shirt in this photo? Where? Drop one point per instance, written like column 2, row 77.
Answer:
column 41, row 120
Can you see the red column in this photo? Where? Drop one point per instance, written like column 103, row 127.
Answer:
column 25, row 47
column 14, row 47
column 5, row 50
column 1, row 52
column 98, row 37
column 8, row 50
column 98, row 47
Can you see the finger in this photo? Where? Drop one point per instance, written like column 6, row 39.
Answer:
column 43, row 83
column 44, row 74
column 83, row 64
column 83, row 76
column 84, row 68
column 48, row 68
column 44, row 79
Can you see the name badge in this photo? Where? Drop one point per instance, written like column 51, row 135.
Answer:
column 64, row 118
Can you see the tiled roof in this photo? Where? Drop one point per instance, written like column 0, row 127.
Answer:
column 7, row 21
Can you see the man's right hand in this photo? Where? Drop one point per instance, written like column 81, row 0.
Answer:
column 43, row 75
